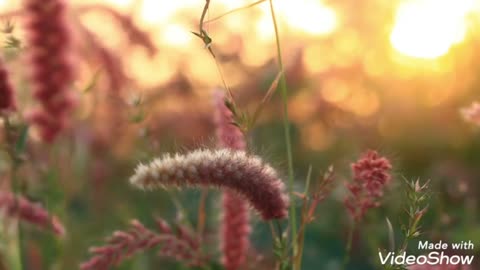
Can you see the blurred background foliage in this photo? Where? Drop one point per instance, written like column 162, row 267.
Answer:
column 387, row 75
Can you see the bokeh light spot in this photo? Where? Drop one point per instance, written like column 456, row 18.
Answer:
column 309, row 16
column 177, row 35
column 428, row 28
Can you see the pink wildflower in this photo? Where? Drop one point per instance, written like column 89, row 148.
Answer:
column 370, row 175
column 235, row 230
column 26, row 211
column 246, row 175
column 52, row 72
column 124, row 244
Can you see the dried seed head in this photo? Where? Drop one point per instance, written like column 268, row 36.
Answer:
column 254, row 180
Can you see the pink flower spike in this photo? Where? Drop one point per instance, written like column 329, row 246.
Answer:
column 371, row 173
column 124, row 244
column 52, row 70
column 26, row 211
column 235, row 226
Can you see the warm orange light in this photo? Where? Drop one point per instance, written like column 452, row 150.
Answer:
column 428, row 28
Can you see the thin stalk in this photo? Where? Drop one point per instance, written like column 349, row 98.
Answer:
column 184, row 216
column 297, row 261
column 413, row 224
column 286, row 126
column 202, row 212
column 19, row 238
column 202, row 18
column 234, row 10
column 348, row 250
column 14, row 233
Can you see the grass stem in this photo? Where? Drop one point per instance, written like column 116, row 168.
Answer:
column 348, row 249
column 13, row 231
column 286, row 125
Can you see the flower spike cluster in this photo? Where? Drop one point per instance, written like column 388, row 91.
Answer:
column 234, row 170
column 122, row 245
column 26, row 211
column 371, row 173
column 235, row 226
column 49, row 42
column 7, row 95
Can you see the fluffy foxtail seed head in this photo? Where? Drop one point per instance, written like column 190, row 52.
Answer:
column 227, row 169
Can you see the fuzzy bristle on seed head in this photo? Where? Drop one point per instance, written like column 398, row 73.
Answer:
column 227, row 169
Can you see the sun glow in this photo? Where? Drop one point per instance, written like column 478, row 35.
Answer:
column 177, row 35
column 428, row 28
column 3, row 3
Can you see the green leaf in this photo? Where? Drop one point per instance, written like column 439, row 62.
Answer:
column 22, row 140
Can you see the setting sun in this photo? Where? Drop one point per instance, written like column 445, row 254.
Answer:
column 428, row 28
